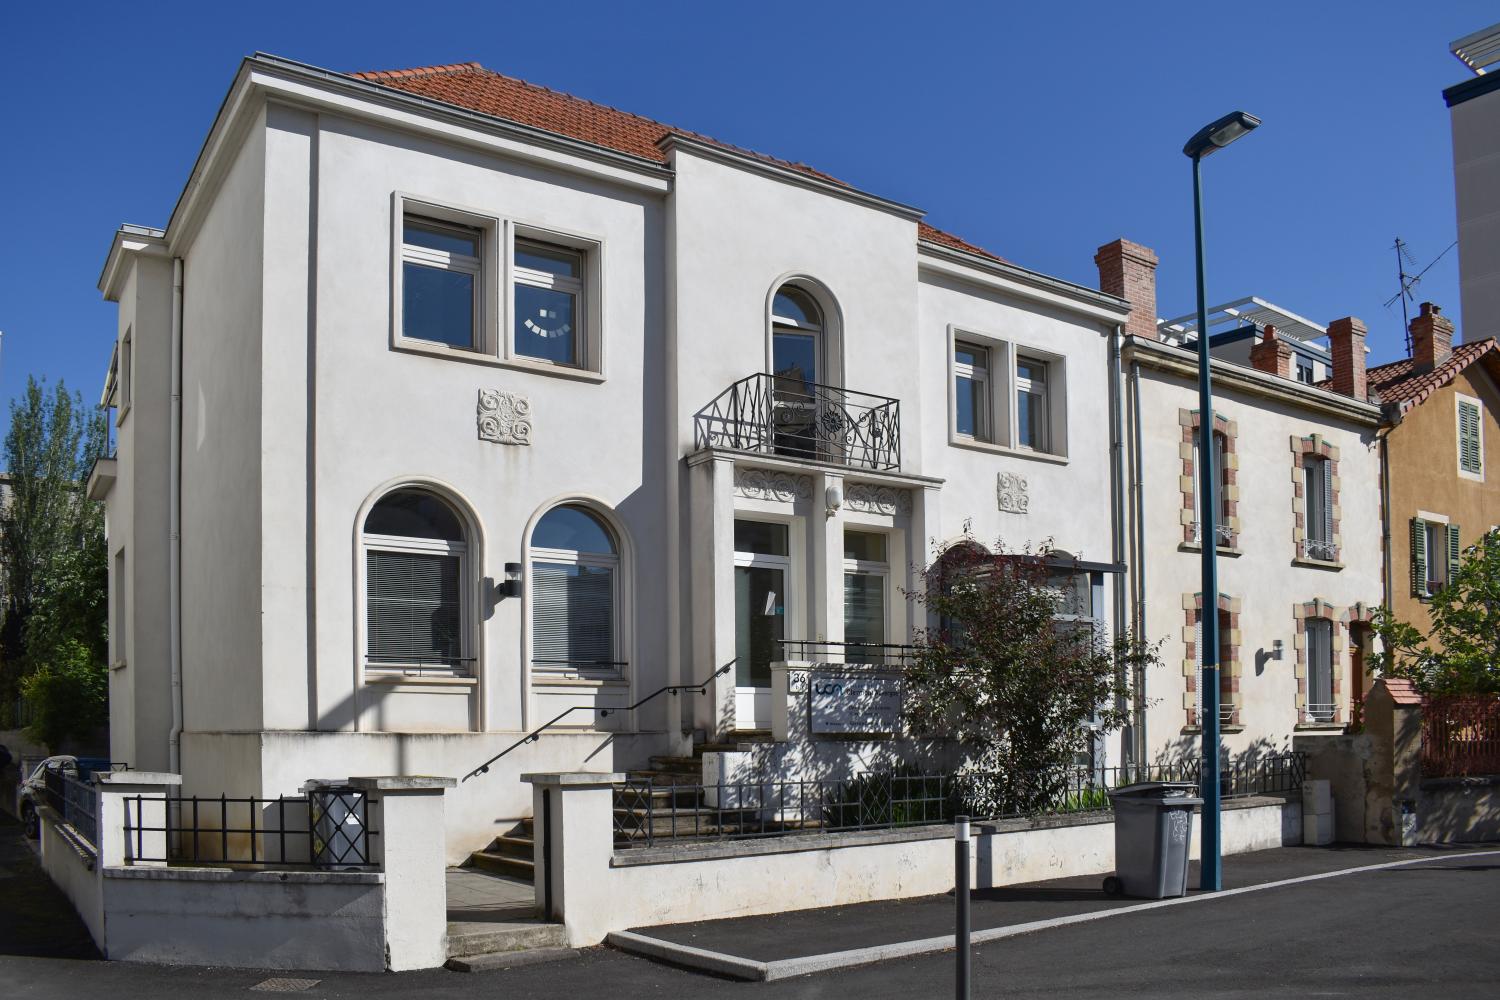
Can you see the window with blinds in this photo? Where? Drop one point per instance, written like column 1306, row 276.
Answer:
column 1317, row 487
column 572, row 616
column 1470, row 443
column 1320, row 706
column 413, row 610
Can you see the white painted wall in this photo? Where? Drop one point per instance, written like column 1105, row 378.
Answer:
column 1476, row 184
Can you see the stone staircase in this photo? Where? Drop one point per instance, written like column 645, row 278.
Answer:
column 668, row 799
column 511, row 854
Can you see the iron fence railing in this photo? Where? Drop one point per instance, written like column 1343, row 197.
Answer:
column 647, row 813
column 846, row 653
column 327, row 829
column 1320, row 549
column 1222, row 531
column 783, row 415
column 74, row 800
column 1460, row 736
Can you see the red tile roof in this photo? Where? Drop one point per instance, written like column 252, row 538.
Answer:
column 469, row 85
column 1401, row 691
column 1400, row 383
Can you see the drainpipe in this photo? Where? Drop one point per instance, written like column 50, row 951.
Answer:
column 1387, row 554
column 174, row 527
column 1139, row 575
column 1117, row 512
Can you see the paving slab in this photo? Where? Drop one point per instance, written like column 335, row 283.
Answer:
column 806, row 934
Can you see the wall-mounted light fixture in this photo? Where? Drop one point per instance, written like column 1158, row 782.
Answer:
column 833, row 498
column 512, row 585
column 1277, row 648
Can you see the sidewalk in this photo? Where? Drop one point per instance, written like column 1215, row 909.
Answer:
column 787, row 944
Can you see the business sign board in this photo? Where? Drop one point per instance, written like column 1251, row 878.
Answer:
column 854, row 703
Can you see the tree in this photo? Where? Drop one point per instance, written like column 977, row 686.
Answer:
column 1461, row 652
column 1009, row 672
column 54, row 562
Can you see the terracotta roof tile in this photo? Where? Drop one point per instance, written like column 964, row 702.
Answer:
column 1401, row 691
column 469, row 85
column 1400, row 383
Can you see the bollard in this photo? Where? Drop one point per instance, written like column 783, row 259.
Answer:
column 961, row 898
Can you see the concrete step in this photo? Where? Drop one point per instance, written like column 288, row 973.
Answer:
column 470, row 938
column 740, row 740
column 513, row 846
column 510, row 959
column 666, row 777
column 504, row 864
column 678, row 765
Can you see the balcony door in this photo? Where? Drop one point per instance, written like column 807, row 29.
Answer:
column 797, row 362
column 762, row 572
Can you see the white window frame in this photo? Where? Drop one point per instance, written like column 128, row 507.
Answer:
column 1459, row 402
column 119, row 612
column 1309, row 715
column 1003, row 396
column 595, row 560
column 979, row 376
column 588, row 363
column 863, row 567
column 1025, row 385
column 482, row 268
column 126, row 375
column 576, row 287
column 468, row 668
column 1317, row 474
column 1221, row 519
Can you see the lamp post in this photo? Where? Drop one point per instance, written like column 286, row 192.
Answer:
column 1211, row 137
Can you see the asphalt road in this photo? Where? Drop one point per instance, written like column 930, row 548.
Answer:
column 1428, row 930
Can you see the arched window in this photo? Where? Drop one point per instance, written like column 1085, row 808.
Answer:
column 416, row 613
column 575, row 569
column 796, row 337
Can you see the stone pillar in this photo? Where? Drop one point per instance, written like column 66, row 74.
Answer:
column 406, row 811
column 129, row 830
column 573, row 816
column 825, row 545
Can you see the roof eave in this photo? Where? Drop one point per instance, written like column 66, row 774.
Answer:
column 1094, row 303
column 128, row 239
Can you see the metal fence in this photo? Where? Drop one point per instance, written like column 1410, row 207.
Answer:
column 647, row 813
column 1461, row 736
column 326, row 830
column 72, row 799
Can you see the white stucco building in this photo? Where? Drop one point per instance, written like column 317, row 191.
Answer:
column 447, row 404
column 1474, row 112
column 1299, row 529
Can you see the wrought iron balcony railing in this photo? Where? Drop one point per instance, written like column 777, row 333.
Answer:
column 783, row 415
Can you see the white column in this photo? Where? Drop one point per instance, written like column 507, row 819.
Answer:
column 131, row 817
column 573, row 819
column 406, row 813
column 825, row 546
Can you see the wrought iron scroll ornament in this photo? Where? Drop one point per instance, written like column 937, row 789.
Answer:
column 763, row 484
column 504, row 417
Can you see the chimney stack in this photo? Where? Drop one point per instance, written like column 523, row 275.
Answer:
column 1128, row 270
column 1346, row 342
column 1431, row 337
column 1272, row 355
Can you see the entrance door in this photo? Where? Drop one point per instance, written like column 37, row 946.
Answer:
column 762, row 569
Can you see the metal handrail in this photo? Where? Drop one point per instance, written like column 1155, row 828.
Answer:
column 783, row 415
column 535, row 734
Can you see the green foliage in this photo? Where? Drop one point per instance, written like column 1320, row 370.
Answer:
column 53, row 557
column 68, row 695
column 1010, row 675
column 1461, row 653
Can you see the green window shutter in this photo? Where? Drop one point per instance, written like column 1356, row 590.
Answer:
column 1455, row 550
column 1469, row 457
column 1418, row 557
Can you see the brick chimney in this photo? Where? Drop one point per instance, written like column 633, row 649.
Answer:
column 1272, row 355
column 1346, row 342
column 1431, row 337
column 1128, row 270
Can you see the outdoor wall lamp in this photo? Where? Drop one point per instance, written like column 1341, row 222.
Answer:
column 833, row 499
column 1277, row 648
column 512, row 585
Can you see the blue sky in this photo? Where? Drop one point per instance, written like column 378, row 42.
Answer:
column 1038, row 131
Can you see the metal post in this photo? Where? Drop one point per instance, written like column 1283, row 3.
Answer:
column 1210, row 871
column 961, row 899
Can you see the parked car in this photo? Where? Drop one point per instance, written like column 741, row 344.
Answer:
column 34, row 790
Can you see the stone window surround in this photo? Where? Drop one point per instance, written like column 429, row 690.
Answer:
column 1229, row 669
column 1314, row 445
column 1229, row 478
column 1339, row 618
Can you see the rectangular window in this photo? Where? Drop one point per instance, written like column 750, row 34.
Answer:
column 1317, row 488
column 441, row 282
column 1470, row 439
column 1032, row 417
column 414, row 614
column 971, row 391
column 1436, row 549
column 127, row 372
column 572, row 616
column 549, row 306
column 762, row 568
column 866, row 578
column 120, row 587
column 1221, row 522
column 1305, row 371
column 1227, row 706
column 1320, row 706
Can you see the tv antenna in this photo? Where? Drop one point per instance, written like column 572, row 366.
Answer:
column 1405, row 260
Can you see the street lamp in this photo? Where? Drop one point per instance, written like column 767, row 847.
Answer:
column 1208, row 139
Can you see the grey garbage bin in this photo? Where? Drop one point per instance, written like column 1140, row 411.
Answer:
column 338, row 823
column 1153, row 821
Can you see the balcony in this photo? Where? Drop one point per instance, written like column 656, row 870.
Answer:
column 788, row 417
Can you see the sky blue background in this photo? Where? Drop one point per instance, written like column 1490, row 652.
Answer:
column 1038, row 131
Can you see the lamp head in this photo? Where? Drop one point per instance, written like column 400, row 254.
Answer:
column 1218, row 134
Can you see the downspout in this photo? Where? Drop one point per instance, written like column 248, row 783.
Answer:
column 1388, row 595
column 174, row 527
column 1117, row 516
column 1138, row 576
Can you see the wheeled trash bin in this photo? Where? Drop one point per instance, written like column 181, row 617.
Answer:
column 1153, row 824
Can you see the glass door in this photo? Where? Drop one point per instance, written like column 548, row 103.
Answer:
column 762, row 568
column 796, row 334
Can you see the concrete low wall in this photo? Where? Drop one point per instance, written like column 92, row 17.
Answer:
column 597, row 890
column 1459, row 809
column 70, row 862
column 269, row 920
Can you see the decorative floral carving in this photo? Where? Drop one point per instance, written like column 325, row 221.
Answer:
column 877, row 499
column 504, row 417
column 1011, row 490
column 762, row 484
